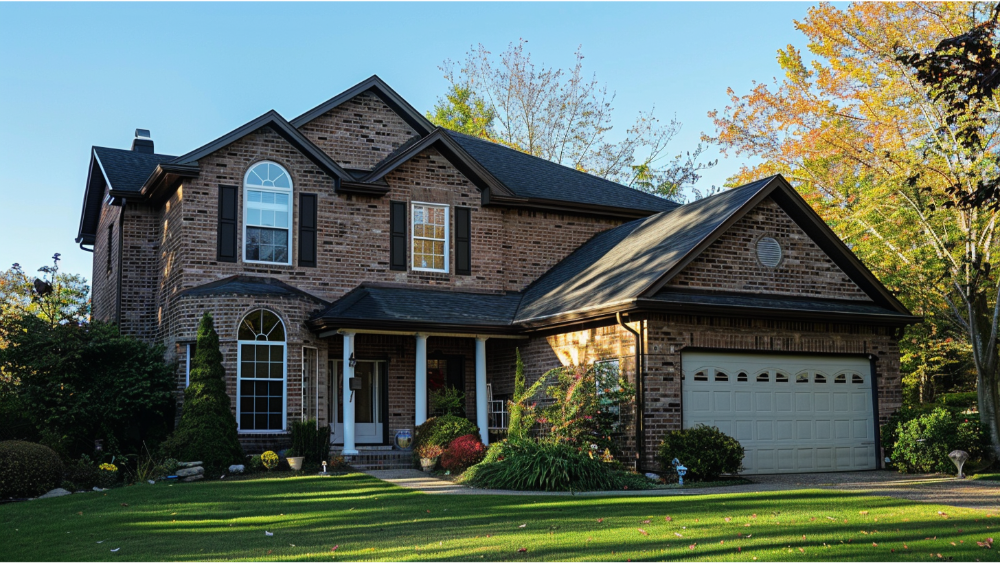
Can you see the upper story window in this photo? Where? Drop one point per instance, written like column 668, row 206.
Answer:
column 267, row 228
column 430, row 237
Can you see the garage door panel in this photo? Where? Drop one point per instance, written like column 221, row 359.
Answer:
column 743, row 401
column 801, row 422
column 723, row 401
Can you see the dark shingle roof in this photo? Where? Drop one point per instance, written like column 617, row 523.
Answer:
column 128, row 170
column 248, row 285
column 618, row 265
column 777, row 303
column 534, row 177
column 405, row 305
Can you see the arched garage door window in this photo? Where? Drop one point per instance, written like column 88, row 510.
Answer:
column 260, row 401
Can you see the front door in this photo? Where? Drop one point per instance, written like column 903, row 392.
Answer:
column 369, row 416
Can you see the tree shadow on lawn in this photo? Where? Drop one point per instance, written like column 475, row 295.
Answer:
column 366, row 518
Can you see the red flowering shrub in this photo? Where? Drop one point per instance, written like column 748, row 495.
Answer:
column 462, row 453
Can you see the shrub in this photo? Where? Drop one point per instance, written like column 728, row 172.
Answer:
column 463, row 453
column 83, row 474
column 447, row 400
column 428, row 451
column 441, row 430
column 924, row 442
column 310, row 441
column 530, row 465
column 207, row 431
column 107, row 475
column 587, row 404
column 704, row 450
column 28, row 469
column 255, row 463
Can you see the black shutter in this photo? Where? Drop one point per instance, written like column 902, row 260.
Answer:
column 227, row 224
column 463, row 241
column 307, row 230
column 397, row 234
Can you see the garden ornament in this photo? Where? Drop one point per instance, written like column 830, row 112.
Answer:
column 959, row 457
column 324, row 467
column 681, row 471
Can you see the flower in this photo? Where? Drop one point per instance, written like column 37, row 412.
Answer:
column 107, row 467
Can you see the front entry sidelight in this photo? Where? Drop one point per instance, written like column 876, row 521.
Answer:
column 369, row 404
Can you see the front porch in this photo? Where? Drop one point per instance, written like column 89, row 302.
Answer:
column 389, row 348
column 388, row 378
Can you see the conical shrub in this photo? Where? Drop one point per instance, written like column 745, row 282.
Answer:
column 207, row 431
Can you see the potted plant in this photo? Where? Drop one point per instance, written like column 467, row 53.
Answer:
column 429, row 455
column 294, row 459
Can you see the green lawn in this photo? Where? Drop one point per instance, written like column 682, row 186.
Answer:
column 355, row 517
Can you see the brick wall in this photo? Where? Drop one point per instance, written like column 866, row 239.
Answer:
column 360, row 132
column 104, row 278
column 731, row 264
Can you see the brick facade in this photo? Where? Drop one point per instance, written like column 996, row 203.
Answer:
column 171, row 248
column 731, row 264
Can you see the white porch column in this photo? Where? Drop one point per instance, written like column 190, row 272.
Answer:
column 348, row 399
column 420, row 395
column 482, row 420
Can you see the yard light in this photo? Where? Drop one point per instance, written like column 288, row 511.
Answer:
column 324, row 467
column 959, row 457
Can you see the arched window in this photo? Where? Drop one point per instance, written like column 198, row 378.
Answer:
column 857, row 378
column 267, row 214
column 721, row 376
column 701, row 376
column 780, row 377
column 742, row 376
column 841, row 378
column 802, row 377
column 260, row 393
column 820, row 378
column 763, row 376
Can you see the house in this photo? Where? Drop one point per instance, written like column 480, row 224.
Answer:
column 357, row 251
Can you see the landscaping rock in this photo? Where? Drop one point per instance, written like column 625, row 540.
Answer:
column 188, row 472
column 236, row 468
column 184, row 464
column 192, row 478
column 56, row 493
column 653, row 476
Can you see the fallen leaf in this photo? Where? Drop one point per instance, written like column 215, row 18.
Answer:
column 643, row 532
column 522, row 550
column 599, row 520
column 954, row 544
column 942, row 514
column 667, row 518
column 124, row 504
column 266, row 533
column 863, row 513
column 692, row 546
column 802, row 550
column 830, row 518
column 645, row 521
column 678, row 535
column 522, row 525
column 874, row 544
column 739, row 550
column 728, row 519
column 746, row 525
column 115, row 550
column 334, row 548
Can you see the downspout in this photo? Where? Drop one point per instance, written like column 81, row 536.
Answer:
column 85, row 249
column 121, row 253
column 640, row 394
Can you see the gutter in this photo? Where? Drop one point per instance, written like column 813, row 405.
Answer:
column 640, row 394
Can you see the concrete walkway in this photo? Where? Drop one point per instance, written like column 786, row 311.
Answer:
column 922, row 488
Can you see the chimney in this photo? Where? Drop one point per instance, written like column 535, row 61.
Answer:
column 142, row 142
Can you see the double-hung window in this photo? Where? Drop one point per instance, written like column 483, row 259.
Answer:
column 260, row 401
column 430, row 237
column 267, row 228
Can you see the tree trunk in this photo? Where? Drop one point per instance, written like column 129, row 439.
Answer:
column 985, row 352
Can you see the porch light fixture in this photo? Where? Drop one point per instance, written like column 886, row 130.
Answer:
column 351, row 361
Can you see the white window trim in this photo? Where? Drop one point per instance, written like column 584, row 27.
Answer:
column 447, row 237
column 284, row 384
column 291, row 212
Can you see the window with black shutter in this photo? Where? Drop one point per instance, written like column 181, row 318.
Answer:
column 397, row 234
column 463, row 241
column 227, row 224
column 307, row 230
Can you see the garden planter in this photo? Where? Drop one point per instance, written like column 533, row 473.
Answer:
column 428, row 463
column 295, row 463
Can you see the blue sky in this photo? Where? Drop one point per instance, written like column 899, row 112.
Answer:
column 76, row 75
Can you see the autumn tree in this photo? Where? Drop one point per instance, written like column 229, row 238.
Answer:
column 875, row 152
column 564, row 116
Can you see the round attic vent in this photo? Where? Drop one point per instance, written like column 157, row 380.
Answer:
column 768, row 252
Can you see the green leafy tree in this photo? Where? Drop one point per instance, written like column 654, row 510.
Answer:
column 207, row 430
column 79, row 383
column 463, row 111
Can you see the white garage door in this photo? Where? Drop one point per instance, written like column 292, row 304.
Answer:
column 792, row 414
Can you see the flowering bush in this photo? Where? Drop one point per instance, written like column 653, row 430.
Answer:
column 429, row 451
column 463, row 452
column 269, row 459
column 108, row 474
